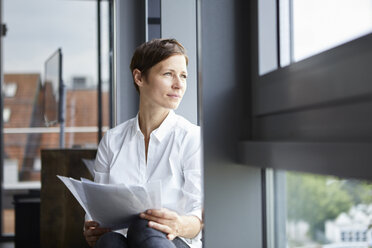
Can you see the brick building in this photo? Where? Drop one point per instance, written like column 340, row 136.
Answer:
column 25, row 132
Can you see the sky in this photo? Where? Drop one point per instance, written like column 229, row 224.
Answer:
column 37, row 28
column 322, row 24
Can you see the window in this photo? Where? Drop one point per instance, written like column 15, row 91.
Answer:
column 319, row 208
column 10, row 89
column 343, row 238
column 6, row 115
column 311, row 27
column 299, row 121
column 39, row 28
column 37, row 164
column 364, row 236
column 319, row 25
column 357, row 236
column 154, row 19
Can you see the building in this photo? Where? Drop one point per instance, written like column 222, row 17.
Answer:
column 25, row 131
column 351, row 229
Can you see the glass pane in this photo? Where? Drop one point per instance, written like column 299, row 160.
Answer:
column 36, row 29
column 154, row 19
column 327, row 212
column 319, row 25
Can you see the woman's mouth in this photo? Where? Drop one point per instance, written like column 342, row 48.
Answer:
column 174, row 95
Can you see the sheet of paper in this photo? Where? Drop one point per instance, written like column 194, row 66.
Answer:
column 114, row 205
column 80, row 190
column 110, row 206
column 76, row 188
column 83, row 179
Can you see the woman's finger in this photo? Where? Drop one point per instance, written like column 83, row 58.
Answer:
column 161, row 213
column 90, row 223
column 95, row 233
column 99, row 231
column 160, row 227
column 171, row 236
column 152, row 218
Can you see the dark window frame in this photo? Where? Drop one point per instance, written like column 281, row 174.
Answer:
column 335, row 81
column 333, row 84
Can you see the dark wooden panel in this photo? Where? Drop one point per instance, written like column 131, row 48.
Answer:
column 61, row 216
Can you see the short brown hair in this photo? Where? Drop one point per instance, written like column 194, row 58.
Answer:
column 152, row 52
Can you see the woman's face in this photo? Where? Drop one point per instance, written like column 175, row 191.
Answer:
column 165, row 83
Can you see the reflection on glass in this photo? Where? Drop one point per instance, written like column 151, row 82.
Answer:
column 51, row 88
column 328, row 212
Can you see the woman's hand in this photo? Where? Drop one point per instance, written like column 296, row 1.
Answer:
column 171, row 223
column 93, row 232
column 164, row 220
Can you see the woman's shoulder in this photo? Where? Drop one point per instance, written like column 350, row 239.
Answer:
column 189, row 136
column 123, row 126
column 121, row 130
column 186, row 127
column 185, row 124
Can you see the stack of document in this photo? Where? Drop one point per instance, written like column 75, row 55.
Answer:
column 114, row 205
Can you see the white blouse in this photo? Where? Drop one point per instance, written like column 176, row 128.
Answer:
column 174, row 157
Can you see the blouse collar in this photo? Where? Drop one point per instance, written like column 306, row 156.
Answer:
column 161, row 131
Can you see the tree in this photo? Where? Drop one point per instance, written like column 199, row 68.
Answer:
column 316, row 199
column 359, row 191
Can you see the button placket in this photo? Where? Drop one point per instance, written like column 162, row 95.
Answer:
column 142, row 155
column 149, row 158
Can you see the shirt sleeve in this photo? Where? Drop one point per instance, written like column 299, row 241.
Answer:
column 192, row 170
column 102, row 162
column 193, row 185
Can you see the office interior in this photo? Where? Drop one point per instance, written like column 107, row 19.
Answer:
column 270, row 120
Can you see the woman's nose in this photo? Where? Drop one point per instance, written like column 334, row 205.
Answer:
column 178, row 83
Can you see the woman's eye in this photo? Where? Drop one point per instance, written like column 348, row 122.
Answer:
column 184, row 76
column 168, row 74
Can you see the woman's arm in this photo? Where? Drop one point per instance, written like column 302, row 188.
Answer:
column 173, row 224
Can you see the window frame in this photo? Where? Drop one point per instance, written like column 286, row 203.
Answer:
column 334, row 79
column 296, row 86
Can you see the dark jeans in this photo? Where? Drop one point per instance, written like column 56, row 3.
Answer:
column 139, row 236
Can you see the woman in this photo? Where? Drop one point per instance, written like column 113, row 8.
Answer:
column 157, row 144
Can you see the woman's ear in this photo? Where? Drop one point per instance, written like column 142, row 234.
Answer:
column 137, row 76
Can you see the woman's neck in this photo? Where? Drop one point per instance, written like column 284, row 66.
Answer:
column 150, row 119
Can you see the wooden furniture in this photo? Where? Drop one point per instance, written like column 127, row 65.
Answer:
column 61, row 216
